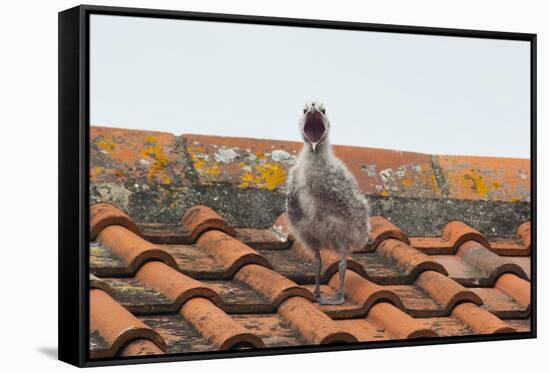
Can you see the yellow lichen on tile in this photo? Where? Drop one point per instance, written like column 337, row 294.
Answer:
column 246, row 179
column 106, row 144
column 273, row 175
column 194, row 151
column 477, row 183
column 269, row 176
column 212, row 170
column 154, row 151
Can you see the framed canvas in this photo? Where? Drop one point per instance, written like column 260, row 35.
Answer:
column 235, row 186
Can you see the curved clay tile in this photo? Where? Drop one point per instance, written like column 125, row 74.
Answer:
column 198, row 219
column 445, row 290
column 140, row 347
column 516, row 287
column 411, row 261
column 382, row 229
column 487, row 261
column 524, row 233
column 174, row 285
column 116, row 325
column 271, row 284
column 132, row 249
column 97, row 283
column 313, row 324
column 231, row 253
column 480, row 320
column 457, row 232
column 365, row 292
column 282, row 225
column 396, row 323
column 103, row 215
column 218, row 327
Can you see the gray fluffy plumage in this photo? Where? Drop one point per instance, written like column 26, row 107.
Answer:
column 323, row 201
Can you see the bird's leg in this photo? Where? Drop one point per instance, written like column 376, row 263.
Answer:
column 318, row 264
column 342, row 266
column 339, row 298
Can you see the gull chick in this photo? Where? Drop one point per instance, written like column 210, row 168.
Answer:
column 324, row 205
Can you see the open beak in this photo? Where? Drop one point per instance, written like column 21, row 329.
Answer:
column 314, row 128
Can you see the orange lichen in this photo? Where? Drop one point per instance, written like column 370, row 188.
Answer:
column 260, row 155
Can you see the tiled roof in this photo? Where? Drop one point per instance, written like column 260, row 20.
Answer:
column 190, row 249
column 203, row 285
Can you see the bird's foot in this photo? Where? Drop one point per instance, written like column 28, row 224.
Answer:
column 317, row 294
column 323, row 300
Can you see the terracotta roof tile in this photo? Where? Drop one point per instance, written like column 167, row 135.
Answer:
column 112, row 326
column 271, row 284
column 313, row 324
column 480, row 320
column 516, row 287
column 129, row 248
column 180, row 334
column 487, row 261
column 228, row 251
column 410, row 260
column 273, row 329
column 457, row 232
column 174, row 285
column 397, row 323
column 382, row 229
column 447, row 326
column 364, row 292
column 197, row 220
column 218, row 327
column 140, row 347
column 103, row 215
column 204, row 283
column 445, row 291
column 501, row 304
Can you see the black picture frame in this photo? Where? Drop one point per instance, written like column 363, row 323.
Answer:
column 73, row 130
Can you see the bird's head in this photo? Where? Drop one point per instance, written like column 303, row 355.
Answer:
column 314, row 124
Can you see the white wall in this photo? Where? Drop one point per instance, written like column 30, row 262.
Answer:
column 28, row 276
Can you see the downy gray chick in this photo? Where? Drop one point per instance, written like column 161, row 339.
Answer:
column 324, row 205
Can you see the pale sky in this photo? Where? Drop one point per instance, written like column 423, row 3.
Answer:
column 430, row 94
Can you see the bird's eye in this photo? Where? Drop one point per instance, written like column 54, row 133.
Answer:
column 322, row 110
column 305, row 110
